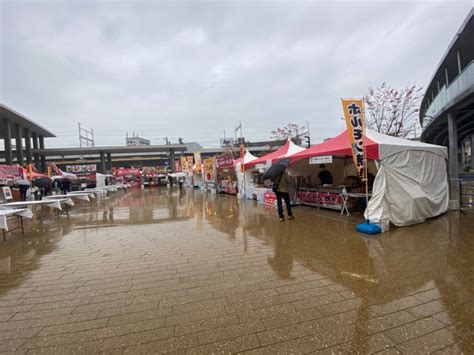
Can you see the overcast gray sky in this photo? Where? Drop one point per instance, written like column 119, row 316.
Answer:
column 195, row 68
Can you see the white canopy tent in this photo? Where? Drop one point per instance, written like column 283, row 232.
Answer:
column 411, row 184
column 244, row 178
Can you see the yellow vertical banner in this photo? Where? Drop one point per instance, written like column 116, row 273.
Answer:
column 242, row 154
column 354, row 116
column 184, row 165
column 198, row 162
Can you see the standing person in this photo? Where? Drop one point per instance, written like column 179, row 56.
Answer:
column 282, row 191
column 56, row 186
column 180, row 182
column 66, row 186
column 23, row 188
column 324, row 175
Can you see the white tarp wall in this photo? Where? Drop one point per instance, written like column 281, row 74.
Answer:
column 410, row 186
column 100, row 180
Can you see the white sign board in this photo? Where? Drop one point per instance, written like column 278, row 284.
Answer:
column 7, row 194
column 227, row 142
column 323, row 159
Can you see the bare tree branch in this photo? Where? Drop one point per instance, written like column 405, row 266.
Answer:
column 392, row 111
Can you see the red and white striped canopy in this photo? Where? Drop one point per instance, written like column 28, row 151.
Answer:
column 286, row 151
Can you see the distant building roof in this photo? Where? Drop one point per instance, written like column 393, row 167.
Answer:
column 23, row 121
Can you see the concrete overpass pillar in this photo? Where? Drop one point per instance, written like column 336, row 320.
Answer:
column 453, row 162
column 19, row 144
column 28, row 146
column 172, row 160
column 8, row 141
column 102, row 162
column 42, row 157
column 109, row 162
column 35, row 147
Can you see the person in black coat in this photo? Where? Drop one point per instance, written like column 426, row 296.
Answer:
column 324, row 175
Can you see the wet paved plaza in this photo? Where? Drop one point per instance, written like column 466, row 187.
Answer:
column 158, row 271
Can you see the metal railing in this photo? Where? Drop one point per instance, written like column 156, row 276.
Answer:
column 456, row 87
column 466, row 189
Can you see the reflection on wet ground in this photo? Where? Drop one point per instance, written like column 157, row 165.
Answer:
column 183, row 271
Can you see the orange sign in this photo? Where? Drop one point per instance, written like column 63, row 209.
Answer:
column 354, row 115
column 209, row 169
column 197, row 159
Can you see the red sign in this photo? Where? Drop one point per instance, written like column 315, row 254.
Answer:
column 269, row 199
column 224, row 161
column 177, row 165
column 10, row 171
column 324, row 199
column 125, row 172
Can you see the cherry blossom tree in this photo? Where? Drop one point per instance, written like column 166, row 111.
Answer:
column 291, row 130
column 393, row 111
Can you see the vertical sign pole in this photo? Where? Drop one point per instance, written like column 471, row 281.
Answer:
column 365, row 162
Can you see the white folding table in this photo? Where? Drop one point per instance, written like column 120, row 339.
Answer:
column 80, row 196
column 50, row 203
column 20, row 213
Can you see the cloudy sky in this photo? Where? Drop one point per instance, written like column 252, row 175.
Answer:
column 196, row 68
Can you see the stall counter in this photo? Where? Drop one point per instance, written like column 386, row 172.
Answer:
column 322, row 196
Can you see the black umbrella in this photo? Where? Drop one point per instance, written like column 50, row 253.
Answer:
column 276, row 169
column 42, row 182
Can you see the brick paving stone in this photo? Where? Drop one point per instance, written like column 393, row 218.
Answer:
column 135, row 339
column 230, row 331
column 236, row 345
column 327, row 339
column 371, row 344
column 389, row 321
column 89, row 347
column 139, row 316
column 428, row 343
column 10, row 345
column 74, row 327
column 286, row 347
column 214, row 323
column 169, row 345
column 415, row 329
column 427, row 309
column 286, row 333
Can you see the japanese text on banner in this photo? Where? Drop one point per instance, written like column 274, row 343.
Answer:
column 354, row 115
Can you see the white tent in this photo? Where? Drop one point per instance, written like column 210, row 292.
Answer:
column 244, row 178
column 411, row 184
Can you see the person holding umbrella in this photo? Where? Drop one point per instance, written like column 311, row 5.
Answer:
column 23, row 185
column 278, row 174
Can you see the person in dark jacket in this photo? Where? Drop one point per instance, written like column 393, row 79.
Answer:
column 23, row 190
column 66, row 186
column 283, row 185
column 324, row 175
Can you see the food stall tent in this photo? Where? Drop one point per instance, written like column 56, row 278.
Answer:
column 257, row 190
column 411, row 183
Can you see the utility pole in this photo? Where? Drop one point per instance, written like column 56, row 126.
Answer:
column 240, row 125
column 236, row 129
